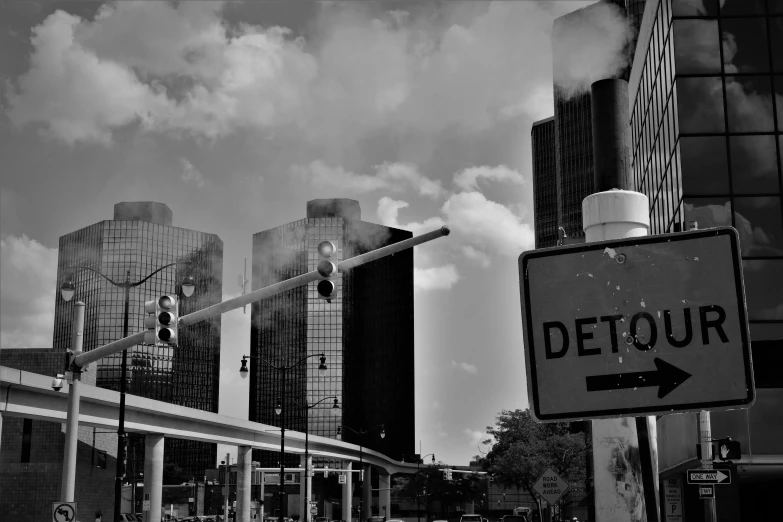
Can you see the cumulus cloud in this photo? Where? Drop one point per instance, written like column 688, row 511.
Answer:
column 466, row 367
column 190, row 174
column 181, row 68
column 28, row 270
column 467, row 179
column 435, row 278
column 475, row 437
column 488, row 224
column 394, row 177
column 589, row 45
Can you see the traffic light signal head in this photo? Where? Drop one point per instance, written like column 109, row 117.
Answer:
column 729, row 449
column 327, row 270
column 162, row 324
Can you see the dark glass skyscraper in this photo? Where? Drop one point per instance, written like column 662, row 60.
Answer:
column 141, row 239
column 573, row 134
column 366, row 332
column 706, row 94
column 542, row 139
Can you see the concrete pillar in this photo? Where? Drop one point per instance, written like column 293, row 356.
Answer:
column 367, row 494
column 347, row 501
column 384, row 494
column 153, row 475
column 244, row 483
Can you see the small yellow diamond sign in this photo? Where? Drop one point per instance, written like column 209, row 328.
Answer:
column 550, row 486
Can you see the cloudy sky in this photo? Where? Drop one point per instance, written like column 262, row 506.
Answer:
column 235, row 114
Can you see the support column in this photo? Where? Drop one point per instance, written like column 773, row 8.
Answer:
column 367, row 493
column 347, row 492
column 303, row 502
column 153, row 475
column 384, row 494
column 244, row 483
column 309, row 485
column 68, row 483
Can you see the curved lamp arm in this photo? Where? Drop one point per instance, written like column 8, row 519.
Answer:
column 162, row 268
column 243, row 371
column 73, row 268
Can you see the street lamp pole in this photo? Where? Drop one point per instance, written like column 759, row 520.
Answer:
column 360, row 432
column 243, row 371
column 335, row 410
column 67, row 290
column 418, row 468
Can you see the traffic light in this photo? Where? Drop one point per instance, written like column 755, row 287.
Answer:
column 327, row 270
column 729, row 449
column 161, row 324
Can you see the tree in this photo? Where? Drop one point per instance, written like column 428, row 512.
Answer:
column 523, row 448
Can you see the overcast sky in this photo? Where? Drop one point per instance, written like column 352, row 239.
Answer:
column 236, row 114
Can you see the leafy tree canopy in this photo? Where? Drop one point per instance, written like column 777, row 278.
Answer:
column 523, row 448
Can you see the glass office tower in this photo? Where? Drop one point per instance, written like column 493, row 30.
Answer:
column 542, row 140
column 141, row 239
column 573, row 131
column 366, row 332
column 706, row 99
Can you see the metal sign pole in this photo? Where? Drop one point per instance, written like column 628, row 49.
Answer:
column 705, row 432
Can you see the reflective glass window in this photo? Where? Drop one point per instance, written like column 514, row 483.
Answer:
column 696, row 46
column 700, row 103
column 734, row 7
column 694, row 7
column 778, row 80
column 766, row 331
column 759, row 277
column 776, row 39
column 704, row 165
column 745, row 48
column 753, row 165
column 707, row 212
column 775, row 6
column 749, row 102
column 758, row 221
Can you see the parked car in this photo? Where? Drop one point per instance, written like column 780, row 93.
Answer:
column 470, row 518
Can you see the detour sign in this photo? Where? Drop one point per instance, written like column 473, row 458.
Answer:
column 644, row 325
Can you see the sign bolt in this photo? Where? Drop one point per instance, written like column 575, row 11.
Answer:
column 629, row 340
column 620, row 258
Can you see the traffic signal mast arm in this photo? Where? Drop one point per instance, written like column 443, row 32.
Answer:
column 268, row 291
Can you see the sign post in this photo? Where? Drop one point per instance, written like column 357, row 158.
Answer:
column 551, row 487
column 636, row 326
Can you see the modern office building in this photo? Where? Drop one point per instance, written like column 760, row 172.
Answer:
column 140, row 239
column 366, row 332
column 542, row 144
column 573, row 135
column 706, row 100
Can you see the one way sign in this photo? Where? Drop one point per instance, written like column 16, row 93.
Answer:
column 709, row 476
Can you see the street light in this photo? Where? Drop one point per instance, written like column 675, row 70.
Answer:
column 67, row 290
column 335, row 411
column 360, row 432
column 243, row 371
column 420, row 461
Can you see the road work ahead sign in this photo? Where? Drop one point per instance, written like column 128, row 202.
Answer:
column 645, row 325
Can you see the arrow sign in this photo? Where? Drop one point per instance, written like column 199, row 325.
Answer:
column 708, row 476
column 667, row 377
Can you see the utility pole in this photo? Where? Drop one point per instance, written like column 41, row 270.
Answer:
column 226, row 488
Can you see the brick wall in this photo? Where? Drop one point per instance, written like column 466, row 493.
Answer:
column 27, row 489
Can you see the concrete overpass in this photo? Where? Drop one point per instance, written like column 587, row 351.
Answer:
column 29, row 395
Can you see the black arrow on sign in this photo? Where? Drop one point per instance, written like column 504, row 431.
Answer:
column 666, row 377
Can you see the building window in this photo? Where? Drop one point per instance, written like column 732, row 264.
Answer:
column 100, row 459
column 27, row 438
